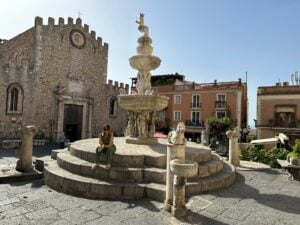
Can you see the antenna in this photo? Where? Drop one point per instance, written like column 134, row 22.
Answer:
column 79, row 14
column 292, row 78
column 246, row 76
column 296, row 77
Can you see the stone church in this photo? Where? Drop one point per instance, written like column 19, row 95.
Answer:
column 54, row 76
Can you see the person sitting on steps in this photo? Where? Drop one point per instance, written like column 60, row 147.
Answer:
column 106, row 147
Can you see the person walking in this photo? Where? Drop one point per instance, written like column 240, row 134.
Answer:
column 106, row 147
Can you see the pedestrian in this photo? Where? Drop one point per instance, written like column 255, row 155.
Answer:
column 62, row 140
column 106, row 147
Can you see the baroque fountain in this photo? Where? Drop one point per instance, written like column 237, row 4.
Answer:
column 157, row 168
column 144, row 105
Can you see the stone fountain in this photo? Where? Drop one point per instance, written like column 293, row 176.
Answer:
column 144, row 105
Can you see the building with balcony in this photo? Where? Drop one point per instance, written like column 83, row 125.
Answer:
column 278, row 111
column 192, row 103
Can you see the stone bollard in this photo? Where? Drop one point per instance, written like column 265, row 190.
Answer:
column 234, row 151
column 24, row 163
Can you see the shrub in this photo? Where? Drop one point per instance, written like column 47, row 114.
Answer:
column 275, row 153
column 259, row 154
column 253, row 153
column 296, row 150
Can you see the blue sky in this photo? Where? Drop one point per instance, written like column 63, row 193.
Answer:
column 201, row 39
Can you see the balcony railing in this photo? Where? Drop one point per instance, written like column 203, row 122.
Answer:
column 196, row 105
column 194, row 123
column 220, row 104
column 280, row 124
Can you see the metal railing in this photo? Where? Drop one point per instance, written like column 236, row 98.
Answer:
column 194, row 123
column 220, row 104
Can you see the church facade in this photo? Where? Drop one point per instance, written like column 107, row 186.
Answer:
column 54, row 76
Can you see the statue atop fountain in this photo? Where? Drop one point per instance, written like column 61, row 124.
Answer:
column 144, row 105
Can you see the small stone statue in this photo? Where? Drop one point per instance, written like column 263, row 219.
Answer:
column 142, row 27
column 177, row 136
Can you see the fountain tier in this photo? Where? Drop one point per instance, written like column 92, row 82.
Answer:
column 138, row 103
column 144, row 62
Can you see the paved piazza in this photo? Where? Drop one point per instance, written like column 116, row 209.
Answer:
column 260, row 197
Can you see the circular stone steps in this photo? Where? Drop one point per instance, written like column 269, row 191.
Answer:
column 137, row 170
column 116, row 172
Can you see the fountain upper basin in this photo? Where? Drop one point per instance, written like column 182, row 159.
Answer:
column 143, row 102
column 144, row 62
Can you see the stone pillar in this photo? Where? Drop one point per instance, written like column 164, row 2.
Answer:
column 90, row 113
column 179, row 209
column 60, row 118
column 234, row 150
column 173, row 152
column 204, row 137
column 24, row 163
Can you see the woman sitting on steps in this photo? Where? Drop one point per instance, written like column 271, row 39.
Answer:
column 106, row 147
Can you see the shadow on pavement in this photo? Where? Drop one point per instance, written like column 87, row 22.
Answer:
column 34, row 183
column 241, row 190
column 145, row 204
column 37, row 151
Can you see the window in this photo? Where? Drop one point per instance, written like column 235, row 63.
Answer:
column 221, row 101
column 196, row 101
column 220, row 114
column 177, row 116
column 221, row 97
column 195, row 117
column 14, row 99
column 177, row 99
column 113, row 107
column 285, row 115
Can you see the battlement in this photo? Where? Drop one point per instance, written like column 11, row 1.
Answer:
column 70, row 22
column 116, row 84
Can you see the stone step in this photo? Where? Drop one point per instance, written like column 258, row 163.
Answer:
column 139, row 160
column 138, row 155
column 69, row 183
column 116, row 172
column 54, row 152
column 223, row 179
column 123, row 172
column 213, row 166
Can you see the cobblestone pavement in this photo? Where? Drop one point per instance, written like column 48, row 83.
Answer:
column 258, row 197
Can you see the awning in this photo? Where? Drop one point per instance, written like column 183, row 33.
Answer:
column 265, row 141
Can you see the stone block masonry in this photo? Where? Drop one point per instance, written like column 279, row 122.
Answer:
column 56, row 65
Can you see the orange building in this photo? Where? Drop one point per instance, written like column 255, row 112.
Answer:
column 193, row 103
column 278, row 111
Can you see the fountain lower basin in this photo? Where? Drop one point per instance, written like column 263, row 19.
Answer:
column 138, row 103
column 184, row 168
